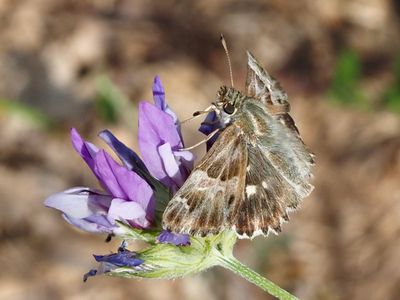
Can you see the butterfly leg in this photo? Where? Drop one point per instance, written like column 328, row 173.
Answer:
column 202, row 141
column 197, row 114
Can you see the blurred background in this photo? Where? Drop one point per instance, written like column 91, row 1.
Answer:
column 87, row 63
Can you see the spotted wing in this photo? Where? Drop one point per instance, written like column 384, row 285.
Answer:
column 277, row 174
column 257, row 170
column 267, row 199
column 209, row 200
column 248, row 181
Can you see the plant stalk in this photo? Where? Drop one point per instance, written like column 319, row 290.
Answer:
column 232, row 264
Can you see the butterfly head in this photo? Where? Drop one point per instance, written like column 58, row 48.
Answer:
column 229, row 100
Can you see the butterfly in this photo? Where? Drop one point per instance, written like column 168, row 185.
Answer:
column 257, row 170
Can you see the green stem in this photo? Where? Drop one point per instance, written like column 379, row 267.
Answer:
column 242, row 270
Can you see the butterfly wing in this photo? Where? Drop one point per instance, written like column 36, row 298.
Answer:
column 277, row 174
column 266, row 199
column 209, row 200
column 262, row 86
column 257, row 170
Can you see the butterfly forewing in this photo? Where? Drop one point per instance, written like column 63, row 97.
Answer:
column 267, row 197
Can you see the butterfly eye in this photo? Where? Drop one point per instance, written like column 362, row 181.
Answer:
column 229, row 108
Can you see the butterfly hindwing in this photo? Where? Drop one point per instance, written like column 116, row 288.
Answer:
column 277, row 173
column 266, row 199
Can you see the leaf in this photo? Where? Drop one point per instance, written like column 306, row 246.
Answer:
column 26, row 113
column 391, row 97
column 345, row 81
column 110, row 102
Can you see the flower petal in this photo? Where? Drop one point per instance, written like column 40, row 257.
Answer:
column 125, row 184
column 209, row 125
column 104, row 166
column 85, row 149
column 95, row 224
column 170, row 165
column 159, row 100
column 127, row 210
column 186, row 161
column 159, row 94
column 91, row 273
column 134, row 186
column 123, row 258
column 128, row 157
column 88, row 152
column 156, row 128
column 79, row 202
column 168, row 237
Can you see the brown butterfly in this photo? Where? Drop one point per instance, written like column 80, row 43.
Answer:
column 257, row 170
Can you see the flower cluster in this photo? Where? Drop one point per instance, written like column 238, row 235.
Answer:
column 132, row 190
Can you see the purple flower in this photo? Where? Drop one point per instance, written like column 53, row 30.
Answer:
column 84, row 208
column 159, row 100
column 124, row 258
column 169, row 237
column 128, row 194
column 127, row 197
column 160, row 141
column 210, row 124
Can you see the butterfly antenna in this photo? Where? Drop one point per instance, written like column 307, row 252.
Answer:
column 228, row 57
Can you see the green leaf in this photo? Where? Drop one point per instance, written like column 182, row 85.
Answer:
column 109, row 101
column 26, row 112
column 345, row 81
column 391, row 97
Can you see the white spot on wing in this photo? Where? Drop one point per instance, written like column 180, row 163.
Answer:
column 183, row 201
column 251, row 189
column 264, row 184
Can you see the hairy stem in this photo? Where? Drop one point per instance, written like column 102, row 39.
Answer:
column 242, row 270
